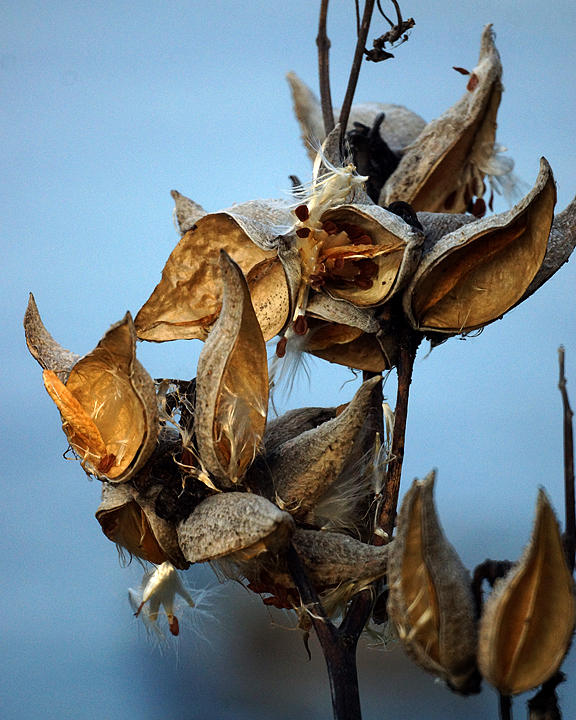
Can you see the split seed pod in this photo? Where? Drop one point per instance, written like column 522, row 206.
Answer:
column 232, row 384
column 430, row 598
column 476, row 273
column 528, row 620
column 108, row 406
column 187, row 301
column 128, row 519
column 444, row 168
column 234, row 523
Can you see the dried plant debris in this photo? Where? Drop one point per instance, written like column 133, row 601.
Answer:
column 232, row 384
column 108, row 406
column 528, row 620
column 430, row 599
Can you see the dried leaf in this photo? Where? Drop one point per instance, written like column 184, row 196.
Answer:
column 108, row 406
column 236, row 523
column 445, row 166
column 430, row 599
column 187, row 301
column 474, row 274
column 528, row 620
column 232, row 384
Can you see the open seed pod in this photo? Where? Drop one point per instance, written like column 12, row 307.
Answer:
column 186, row 212
column 232, row 384
column 234, row 524
column 430, row 598
column 359, row 253
column 305, row 466
column 108, row 406
column 44, row 349
column 528, row 620
column 128, row 519
column 444, row 168
column 187, row 301
column 476, row 273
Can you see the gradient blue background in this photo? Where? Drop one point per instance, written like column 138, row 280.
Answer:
column 106, row 106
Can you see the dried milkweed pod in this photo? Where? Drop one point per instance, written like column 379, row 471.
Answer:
column 305, row 466
column 234, row 523
column 527, row 622
column 108, row 406
column 232, row 384
column 474, row 274
column 187, row 301
column 443, row 170
column 400, row 127
column 430, row 598
column 186, row 212
column 46, row 351
column 128, row 519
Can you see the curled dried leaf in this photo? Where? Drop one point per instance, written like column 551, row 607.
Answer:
column 187, row 301
column 108, row 406
column 430, row 599
column 232, row 384
column 528, row 620
column 235, row 524
column 444, row 168
column 474, row 274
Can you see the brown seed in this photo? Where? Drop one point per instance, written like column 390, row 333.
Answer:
column 472, row 83
column 281, row 347
column 300, row 325
column 303, row 232
column 302, row 213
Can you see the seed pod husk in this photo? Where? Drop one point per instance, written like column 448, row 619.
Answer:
column 108, row 406
column 527, row 622
column 232, row 384
column 128, row 519
column 186, row 211
column 474, row 274
column 46, row 351
column 234, row 524
column 304, row 467
column 187, row 301
column 446, row 164
column 430, row 599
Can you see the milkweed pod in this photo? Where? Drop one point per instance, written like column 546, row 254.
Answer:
column 400, row 127
column 186, row 212
column 44, row 349
column 305, row 466
column 187, row 301
column 445, row 166
column 108, row 406
column 331, row 558
column 474, row 274
column 430, row 598
column 232, row 384
column 128, row 519
column 527, row 622
column 236, row 524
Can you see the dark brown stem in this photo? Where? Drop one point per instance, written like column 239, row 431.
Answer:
column 338, row 645
column 356, row 63
column 505, row 707
column 323, row 43
column 569, row 500
column 407, row 354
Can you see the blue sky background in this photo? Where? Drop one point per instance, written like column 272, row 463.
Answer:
column 106, row 106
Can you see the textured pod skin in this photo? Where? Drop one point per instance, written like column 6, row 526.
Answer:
column 332, row 558
column 232, row 522
column 187, row 212
column 474, row 274
column 224, row 377
column 305, row 466
column 128, row 519
column 49, row 354
column 528, row 620
column 293, row 423
column 430, row 599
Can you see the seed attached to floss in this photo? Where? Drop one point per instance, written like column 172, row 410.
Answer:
column 301, row 325
column 302, row 213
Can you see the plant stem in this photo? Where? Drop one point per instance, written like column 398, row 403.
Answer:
column 407, row 354
column 323, row 43
column 505, row 707
column 356, row 63
column 569, row 500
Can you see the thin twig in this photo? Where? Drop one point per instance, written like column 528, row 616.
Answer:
column 356, row 63
column 569, row 499
column 505, row 707
column 323, row 43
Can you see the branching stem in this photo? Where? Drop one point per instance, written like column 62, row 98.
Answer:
column 323, row 43
column 569, row 500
